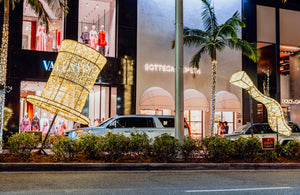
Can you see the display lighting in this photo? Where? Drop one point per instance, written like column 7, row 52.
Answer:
column 276, row 118
column 74, row 73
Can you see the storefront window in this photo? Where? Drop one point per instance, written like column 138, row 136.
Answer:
column 225, row 116
column 97, row 21
column 101, row 105
column 35, row 35
column 195, row 121
column 289, row 83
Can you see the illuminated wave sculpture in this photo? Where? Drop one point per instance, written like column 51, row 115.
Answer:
column 275, row 113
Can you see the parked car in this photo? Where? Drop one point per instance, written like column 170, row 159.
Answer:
column 153, row 125
column 263, row 130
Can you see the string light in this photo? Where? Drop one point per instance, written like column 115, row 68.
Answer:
column 275, row 113
column 73, row 76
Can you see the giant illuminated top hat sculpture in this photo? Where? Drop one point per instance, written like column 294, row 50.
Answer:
column 275, row 113
column 73, row 76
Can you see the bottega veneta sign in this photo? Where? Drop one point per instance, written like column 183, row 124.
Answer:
column 169, row 68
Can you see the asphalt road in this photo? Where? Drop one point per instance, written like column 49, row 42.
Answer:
column 153, row 182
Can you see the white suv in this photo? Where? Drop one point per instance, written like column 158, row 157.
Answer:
column 152, row 125
column 261, row 130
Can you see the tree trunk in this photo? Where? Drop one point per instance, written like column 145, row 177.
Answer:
column 3, row 65
column 213, row 90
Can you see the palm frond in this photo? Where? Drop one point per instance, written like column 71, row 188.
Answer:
column 195, row 41
column 196, row 32
column 58, row 7
column 249, row 49
column 39, row 9
column 208, row 17
column 194, row 63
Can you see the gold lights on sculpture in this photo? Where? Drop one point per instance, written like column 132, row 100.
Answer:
column 275, row 113
column 74, row 73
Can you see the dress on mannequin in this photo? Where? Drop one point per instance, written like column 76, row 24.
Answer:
column 44, row 125
column 93, row 39
column 102, row 41
column 25, row 125
column 35, row 123
column 41, row 36
column 85, row 36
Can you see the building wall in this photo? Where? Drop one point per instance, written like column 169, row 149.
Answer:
column 156, row 31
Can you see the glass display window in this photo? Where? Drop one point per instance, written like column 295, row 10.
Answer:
column 101, row 105
column 229, row 117
column 35, row 35
column 195, row 121
column 97, row 24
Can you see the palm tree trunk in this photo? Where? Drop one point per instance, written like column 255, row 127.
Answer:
column 3, row 65
column 213, row 90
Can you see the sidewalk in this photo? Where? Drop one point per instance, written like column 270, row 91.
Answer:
column 36, row 167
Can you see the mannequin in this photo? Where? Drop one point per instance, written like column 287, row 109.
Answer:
column 102, row 42
column 25, row 125
column 93, row 37
column 85, row 35
column 35, row 123
column 44, row 124
column 41, row 37
column 61, row 127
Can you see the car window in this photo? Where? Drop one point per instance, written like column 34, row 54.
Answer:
column 295, row 128
column 142, row 122
column 267, row 129
column 169, row 122
column 121, row 123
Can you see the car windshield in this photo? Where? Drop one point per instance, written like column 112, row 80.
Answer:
column 104, row 122
column 241, row 129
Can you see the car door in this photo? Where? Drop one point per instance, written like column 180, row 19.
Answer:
column 143, row 125
column 121, row 126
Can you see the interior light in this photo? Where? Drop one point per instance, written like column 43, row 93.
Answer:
column 275, row 113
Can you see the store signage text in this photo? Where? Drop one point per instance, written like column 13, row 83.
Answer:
column 169, row 68
column 67, row 67
column 48, row 65
column 290, row 101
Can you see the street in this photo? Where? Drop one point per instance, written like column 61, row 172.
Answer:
column 152, row 182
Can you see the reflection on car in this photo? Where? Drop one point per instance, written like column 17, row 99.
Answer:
column 261, row 130
column 152, row 125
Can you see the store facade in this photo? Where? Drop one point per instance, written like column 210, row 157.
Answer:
column 33, row 50
column 156, row 61
column 136, row 36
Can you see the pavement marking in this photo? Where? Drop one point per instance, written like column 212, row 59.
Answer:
column 241, row 189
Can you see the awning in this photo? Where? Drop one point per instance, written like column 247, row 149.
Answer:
column 156, row 98
column 227, row 102
column 195, row 100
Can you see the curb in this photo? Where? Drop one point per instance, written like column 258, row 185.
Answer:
column 36, row 167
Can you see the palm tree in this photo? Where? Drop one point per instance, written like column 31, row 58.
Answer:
column 57, row 6
column 215, row 38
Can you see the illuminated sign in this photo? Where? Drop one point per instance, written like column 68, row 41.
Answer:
column 48, row 65
column 290, row 101
column 268, row 143
column 169, row 68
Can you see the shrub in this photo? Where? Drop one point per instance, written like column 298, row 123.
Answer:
column 189, row 147
column 115, row 146
column 139, row 145
column 91, row 145
column 21, row 145
column 246, row 149
column 64, row 148
column 165, row 148
column 291, row 150
column 216, row 148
